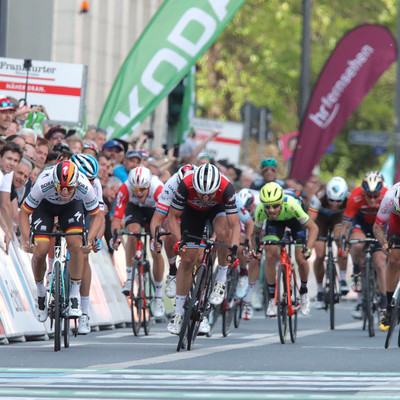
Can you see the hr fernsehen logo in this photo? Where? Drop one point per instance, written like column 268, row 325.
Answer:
column 330, row 104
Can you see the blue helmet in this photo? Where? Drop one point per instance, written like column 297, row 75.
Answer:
column 87, row 164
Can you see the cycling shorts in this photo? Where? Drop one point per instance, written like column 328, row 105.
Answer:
column 276, row 230
column 70, row 216
column 138, row 215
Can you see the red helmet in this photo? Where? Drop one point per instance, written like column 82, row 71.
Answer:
column 65, row 174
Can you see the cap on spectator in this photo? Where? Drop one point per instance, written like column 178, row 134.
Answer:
column 53, row 130
column 205, row 156
column 6, row 104
column 144, row 153
column 112, row 143
column 269, row 162
column 133, row 153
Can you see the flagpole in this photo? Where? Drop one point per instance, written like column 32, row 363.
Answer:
column 397, row 103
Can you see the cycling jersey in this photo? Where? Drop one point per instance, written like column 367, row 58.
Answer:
column 244, row 215
column 387, row 206
column 358, row 207
column 125, row 194
column 291, row 208
column 186, row 194
column 320, row 204
column 44, row 190
column 167, row 194
column 99, row 192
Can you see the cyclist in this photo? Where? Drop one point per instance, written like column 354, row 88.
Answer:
column 389, row 214
column 137, row 199
column 202, row 195
column 60, row 191
column 358, row 220
column 160, row 219
column 281, row 211
column 326, row 211
column 245, row 205
column 88, row 165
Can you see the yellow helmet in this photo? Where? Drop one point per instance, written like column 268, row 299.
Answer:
column 271, row 193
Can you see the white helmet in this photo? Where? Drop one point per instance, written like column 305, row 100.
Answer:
column 139, row 177
column 336, row 189
column 206, row 179
column 247, row 197
column 372, row 183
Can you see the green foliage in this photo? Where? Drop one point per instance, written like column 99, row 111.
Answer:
column 258, row 59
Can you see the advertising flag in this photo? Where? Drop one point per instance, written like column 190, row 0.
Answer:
column 357, row 62
column 178, row 34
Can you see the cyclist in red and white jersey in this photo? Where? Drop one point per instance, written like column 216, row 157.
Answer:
column 137, row 199
column 60, row 191
column 359, row 215
column 389, row 215
column 203, row 195
column 160, row 219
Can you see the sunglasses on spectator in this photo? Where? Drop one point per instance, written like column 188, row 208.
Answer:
column 6, row 104
column 335, row 201
column 56, row 137
column 274, row 206
column 140, row 190
column 373, row 196
column 114, row 149
column 60, row 188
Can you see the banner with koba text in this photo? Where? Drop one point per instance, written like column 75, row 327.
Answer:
column 357, row 62
column 178, row 34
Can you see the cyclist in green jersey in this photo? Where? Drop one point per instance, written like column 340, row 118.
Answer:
column 276, row 212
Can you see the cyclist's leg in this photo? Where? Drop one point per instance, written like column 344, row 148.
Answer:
column 357, row 255
column 342, row 261
column 319, row 262
column 71, row 219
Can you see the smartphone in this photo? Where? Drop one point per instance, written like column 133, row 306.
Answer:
column 165, row 147
column 176, row 150
column 149, row 134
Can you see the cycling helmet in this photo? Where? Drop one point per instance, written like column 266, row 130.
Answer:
column 139, row 177
column 247, row 198
column 65, row 173
column 336, row 189
column 271, row 193
column 182, row 171
column 372, row 183
column 87, row 164
column 206, row 179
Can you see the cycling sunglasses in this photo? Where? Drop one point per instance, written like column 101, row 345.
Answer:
column 56, row 137
column 6, row 104
column 373, row 196
column 274, row 206
column 335, row 201
column 140, row 190
column 60, row 188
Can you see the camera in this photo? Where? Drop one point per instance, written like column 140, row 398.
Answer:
column 176, row 150
column 149, row 134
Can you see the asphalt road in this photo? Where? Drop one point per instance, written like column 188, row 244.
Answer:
column 249, row 363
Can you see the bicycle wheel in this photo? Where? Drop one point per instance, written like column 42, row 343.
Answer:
column 281, row 303
column 149, row 300
column 136, row 299
column 199, row 300
column 331, row 273
column 212, row 319
column 238, row 313
column 295, row 304
column 65, row 297
column 57, row 308
column 369, row 296
column 228, row 305
column 191, row 300
column 394, row 319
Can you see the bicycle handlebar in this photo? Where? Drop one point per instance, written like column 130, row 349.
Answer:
column 365, row 240
column 58, row 234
